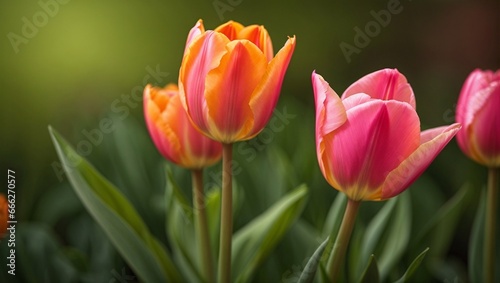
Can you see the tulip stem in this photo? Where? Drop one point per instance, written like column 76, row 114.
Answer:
column 226, row 218
column 491, row 209
column 342, row 240
column 201, row 225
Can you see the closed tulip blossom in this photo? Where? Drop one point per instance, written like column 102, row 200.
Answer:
column 229, row 83
column 369, row 144
column 172, row 133
column 478, row 111
column 230, row 80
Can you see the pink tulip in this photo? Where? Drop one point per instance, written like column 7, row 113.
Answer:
column 172, row 132
column 478, row 110
column 368, row 142
column 230, row 80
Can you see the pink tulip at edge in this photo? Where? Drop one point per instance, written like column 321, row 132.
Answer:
column 230, row 81
column 172, row 132
column 478, row 110
column 368, row 142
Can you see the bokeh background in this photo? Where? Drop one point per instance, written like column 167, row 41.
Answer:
column 71, row 64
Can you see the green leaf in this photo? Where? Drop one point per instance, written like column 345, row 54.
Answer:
column 307, row 275
column 373, row 233
column 332, row 223
column 413, row 266
column 371, row 275
column 117, row 217
column 398, row 237
column 253, row 242
column 180, row 230
column 441, row 227
column 476, row 243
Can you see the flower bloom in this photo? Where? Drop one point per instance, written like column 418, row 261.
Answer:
column 229, row 81
column 478, row 111
column 368, row 142
column 3, row 215
column 172, row 132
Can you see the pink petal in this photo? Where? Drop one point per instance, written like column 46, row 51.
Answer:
column 433, row 141
column 376, row 138
column 386, row 84
column 485, row 130
column 203, row 55
column 330, row 112
column 355, row 100
column 194, row 32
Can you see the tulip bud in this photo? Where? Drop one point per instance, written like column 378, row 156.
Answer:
column 478, row 110
column 172, row 132
column 229, row 80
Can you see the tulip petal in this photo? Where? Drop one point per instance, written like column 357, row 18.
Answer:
column 260, row 37
column 230, row 29
column 162, row 135
column 266, row 94
column 330, row 114
column 386, row 84
column 376, row 138
column 197, row 30
column 485, row 128
column 203, row 55
column 433, row 141
column 229, row 88
column 330, row 111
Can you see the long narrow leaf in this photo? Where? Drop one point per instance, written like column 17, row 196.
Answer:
column 116, row 216
column 413, row 266
column 307, row 275
column 253, row 242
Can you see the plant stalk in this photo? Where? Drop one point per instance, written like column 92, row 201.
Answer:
column 337, row 256
column 226, row 220
column 491, row 212
column 201, row 225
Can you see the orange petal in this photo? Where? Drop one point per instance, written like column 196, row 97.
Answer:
column 265, row 96
column 231, row 29
column 260, row 37
column 229, row 89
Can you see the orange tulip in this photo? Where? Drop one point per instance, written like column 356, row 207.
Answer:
column 229, row 81
column 477, row 109
column 172, row 132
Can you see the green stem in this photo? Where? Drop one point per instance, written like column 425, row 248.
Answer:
column 342, row 240
column 491, row 209
column 226, row 218
column 201, row 225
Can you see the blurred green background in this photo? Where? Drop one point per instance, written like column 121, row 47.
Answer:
column 72, row 64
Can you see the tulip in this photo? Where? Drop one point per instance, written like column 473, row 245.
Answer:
column 172, row 132
column 229, row 81
column 369, row 144
column 179, row 141
column 3, row 215
column 477, row 110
